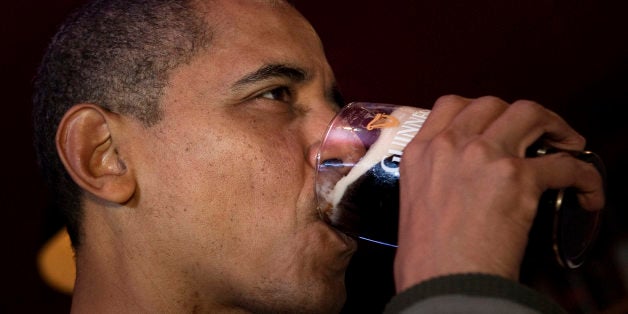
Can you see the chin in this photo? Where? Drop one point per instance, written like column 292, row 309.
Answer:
column 328, row 295
column 328, row 302
column 333, row 297
column 340, row 300
column 332, row 304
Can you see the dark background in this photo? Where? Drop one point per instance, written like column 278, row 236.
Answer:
column 571, row 56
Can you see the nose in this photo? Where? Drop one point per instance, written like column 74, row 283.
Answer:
column 317, row 131
column 337, row 148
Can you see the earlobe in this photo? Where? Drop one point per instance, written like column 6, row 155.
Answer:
column 87, row 148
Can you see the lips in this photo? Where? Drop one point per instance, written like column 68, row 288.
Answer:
column 349, row 242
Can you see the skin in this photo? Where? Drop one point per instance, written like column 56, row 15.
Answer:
column 213, row 209
column 473, row 204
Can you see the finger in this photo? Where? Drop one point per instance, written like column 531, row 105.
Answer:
column 525, row 122
column 562, row 170
column 478, row 115
column 443, row 112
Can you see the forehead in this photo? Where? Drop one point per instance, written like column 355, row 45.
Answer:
column 266, row 18
column 248, row 33
column 246, row 36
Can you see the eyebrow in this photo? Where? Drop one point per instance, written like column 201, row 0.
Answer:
column 269, row 71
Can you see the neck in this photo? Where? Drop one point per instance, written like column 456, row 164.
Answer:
column 108, row 281
column 120, row 274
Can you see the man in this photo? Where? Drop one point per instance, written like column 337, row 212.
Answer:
column 181, row 138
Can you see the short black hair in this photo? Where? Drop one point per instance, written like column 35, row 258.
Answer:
column 117, row 54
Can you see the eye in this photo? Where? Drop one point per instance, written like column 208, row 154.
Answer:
column 280, row 93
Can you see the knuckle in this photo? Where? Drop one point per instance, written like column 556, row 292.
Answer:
column 440, row 145
column 490, row 99
column 446, row 100
column 514, row 170
column 529, row 107
column 444, row 142
column 478, row 150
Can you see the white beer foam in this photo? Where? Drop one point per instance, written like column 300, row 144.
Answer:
column 379, row 151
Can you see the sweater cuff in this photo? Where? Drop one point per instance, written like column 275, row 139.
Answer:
column 473, row 285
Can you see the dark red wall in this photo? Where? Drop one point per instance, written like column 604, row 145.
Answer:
column 571, row 56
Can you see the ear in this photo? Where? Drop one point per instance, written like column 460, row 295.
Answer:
column 88, row 151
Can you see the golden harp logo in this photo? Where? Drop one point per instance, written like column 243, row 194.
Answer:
column 382, row 121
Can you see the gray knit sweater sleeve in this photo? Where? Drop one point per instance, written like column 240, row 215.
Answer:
column 471, row 293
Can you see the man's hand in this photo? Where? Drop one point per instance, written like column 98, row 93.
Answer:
column 469, row 195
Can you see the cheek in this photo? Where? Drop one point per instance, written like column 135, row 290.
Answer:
column 271, row 169
column 228, row 183
column 254, row 177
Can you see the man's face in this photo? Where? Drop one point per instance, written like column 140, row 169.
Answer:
column 226, row 179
